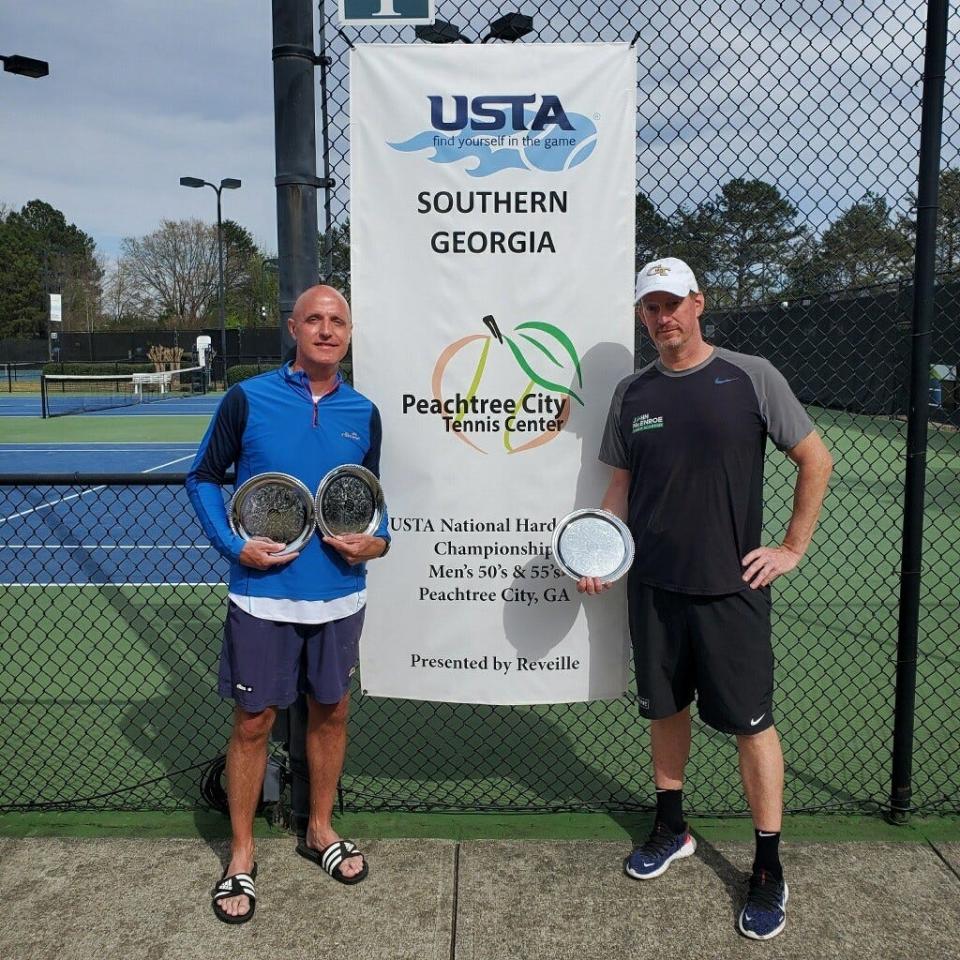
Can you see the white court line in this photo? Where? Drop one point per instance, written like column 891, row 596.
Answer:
column 191, row 412
column 83, row 493
column 43, row 506
column 104, row 546
column 105, row 447
column 59, row 449
column 169, row 463
column 145, row 583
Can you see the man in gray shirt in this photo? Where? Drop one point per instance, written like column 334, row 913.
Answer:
column 686, row 438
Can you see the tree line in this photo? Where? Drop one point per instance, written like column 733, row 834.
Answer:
column 167, row 279
column 748, row 244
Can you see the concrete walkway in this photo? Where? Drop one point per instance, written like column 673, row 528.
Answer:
column 67, row 899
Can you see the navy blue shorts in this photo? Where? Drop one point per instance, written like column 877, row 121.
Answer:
column 266, row 664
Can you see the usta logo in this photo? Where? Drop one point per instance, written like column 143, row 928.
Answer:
column 491, row 112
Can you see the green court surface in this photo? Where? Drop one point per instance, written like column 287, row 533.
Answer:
column 134, row 670
column 102, row 429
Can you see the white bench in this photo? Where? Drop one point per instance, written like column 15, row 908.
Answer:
column 162, row 377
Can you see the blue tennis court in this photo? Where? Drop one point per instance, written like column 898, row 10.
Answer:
column 28, row 405
column 116, row 534
column 97, row 457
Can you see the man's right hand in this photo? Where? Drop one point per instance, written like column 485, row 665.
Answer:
column 262, row 554
column 593, row 585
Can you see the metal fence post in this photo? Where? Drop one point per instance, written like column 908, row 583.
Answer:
column 925, row 273
column 296, row 182
column 296, row 153
column 299, row 771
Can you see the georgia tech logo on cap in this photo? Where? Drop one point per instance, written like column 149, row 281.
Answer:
column 658, row 270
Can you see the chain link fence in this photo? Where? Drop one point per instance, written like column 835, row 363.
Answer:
column 113, row 603
column 776, row 152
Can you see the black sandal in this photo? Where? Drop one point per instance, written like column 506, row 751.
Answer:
column 330, row 858
column 238, row 885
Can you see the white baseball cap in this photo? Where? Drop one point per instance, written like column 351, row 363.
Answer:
column 668, row 275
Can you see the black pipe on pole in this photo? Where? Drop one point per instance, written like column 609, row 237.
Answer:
column 296, row 182
column 324, row 61
column 923, row 290
column 296, row 154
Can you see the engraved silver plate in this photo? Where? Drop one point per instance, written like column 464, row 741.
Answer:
column 276, row 506
column 593, row 543
column 349, row 500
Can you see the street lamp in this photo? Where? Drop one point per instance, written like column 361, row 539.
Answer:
column 228, row 183
column 25, row 66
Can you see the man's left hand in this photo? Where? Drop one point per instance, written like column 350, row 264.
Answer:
column 765, row 564
column 356, row 547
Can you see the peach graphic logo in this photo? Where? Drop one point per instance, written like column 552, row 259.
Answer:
column 505, row 393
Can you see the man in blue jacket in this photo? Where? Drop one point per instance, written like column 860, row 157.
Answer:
column 294, row 619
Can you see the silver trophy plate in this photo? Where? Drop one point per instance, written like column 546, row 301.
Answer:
column 348, row 500
column 593, row 543
column 274, row 506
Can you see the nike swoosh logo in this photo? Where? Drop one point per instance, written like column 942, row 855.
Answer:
column 728, row 380
column 753, row 723
column 747, row 918
column 762, row 834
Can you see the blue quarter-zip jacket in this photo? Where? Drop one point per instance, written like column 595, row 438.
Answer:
column 271, row 423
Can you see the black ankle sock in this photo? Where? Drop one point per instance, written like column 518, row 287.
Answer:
column 768, row 853
column 670, row 809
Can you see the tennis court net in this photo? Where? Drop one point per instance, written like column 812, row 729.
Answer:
column 64, row 394
column 16, row 376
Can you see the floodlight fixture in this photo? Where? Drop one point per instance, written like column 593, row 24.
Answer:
column 25, row 66
column 510, row 27
column 439, row 32
column 192, row 182
column 229, row 183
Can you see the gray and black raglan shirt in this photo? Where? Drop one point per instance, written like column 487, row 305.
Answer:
column 694, row 443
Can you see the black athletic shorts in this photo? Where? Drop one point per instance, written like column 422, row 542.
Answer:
column 715, row 647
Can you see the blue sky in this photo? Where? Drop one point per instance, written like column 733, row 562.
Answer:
column 140, row 93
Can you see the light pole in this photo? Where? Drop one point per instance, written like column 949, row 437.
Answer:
column 228, row 183
column 25, row 66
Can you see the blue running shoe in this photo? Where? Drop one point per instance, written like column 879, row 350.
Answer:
column 660, row 849
column 765, row 914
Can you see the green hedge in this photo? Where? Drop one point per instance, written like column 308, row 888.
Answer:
column 243, row 371
column 97, row 369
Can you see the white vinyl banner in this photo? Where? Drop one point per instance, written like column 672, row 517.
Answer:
column 492, row 238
